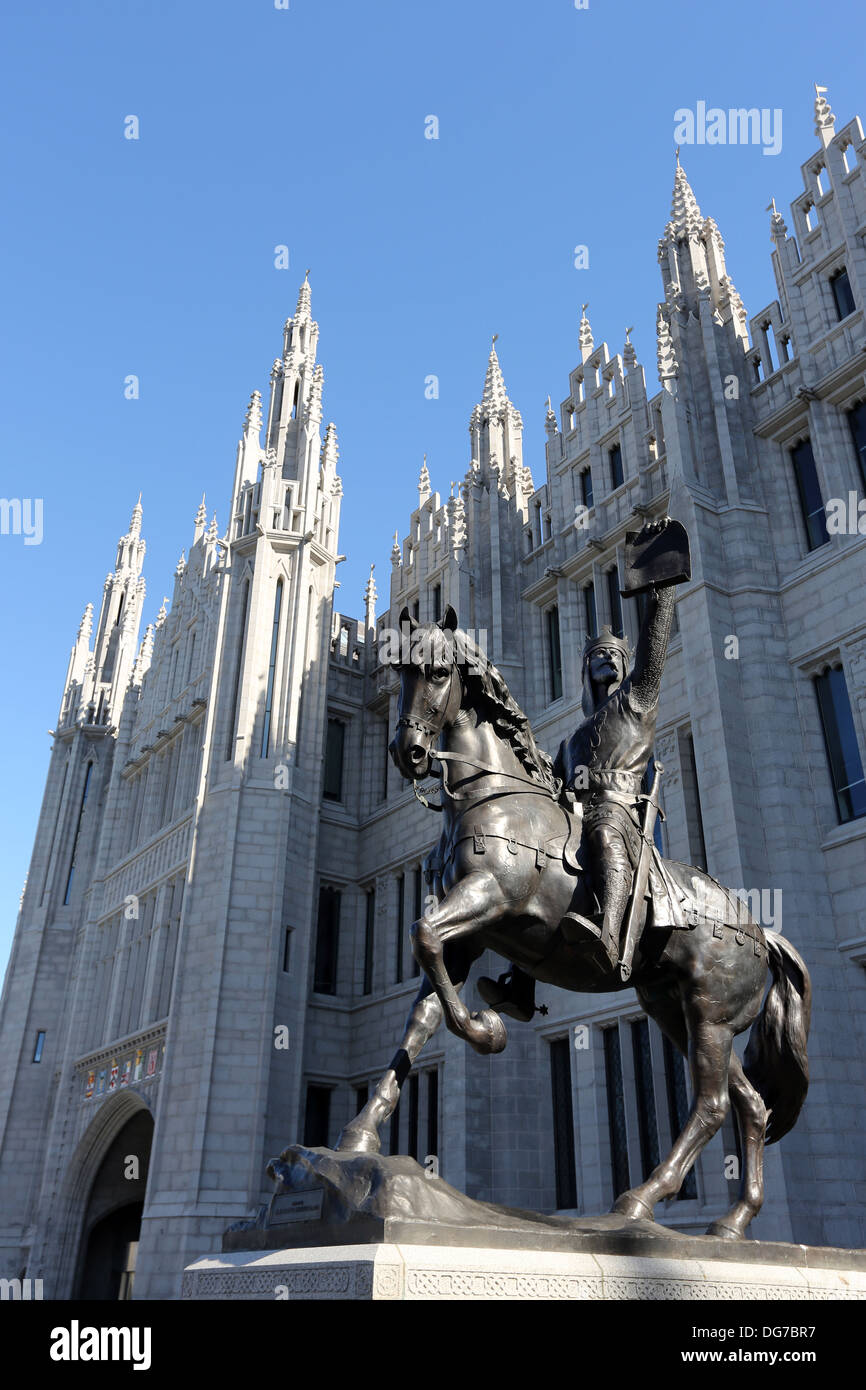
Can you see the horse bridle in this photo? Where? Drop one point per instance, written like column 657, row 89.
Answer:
column 408, row 721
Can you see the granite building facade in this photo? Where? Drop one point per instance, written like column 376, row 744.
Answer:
column 212, row 954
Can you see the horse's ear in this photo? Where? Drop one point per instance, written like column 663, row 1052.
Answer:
column 449, row 622
column 406, row 617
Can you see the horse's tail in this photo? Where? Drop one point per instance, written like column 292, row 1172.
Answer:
column 775, row 1060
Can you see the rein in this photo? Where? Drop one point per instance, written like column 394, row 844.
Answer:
column 445, row 758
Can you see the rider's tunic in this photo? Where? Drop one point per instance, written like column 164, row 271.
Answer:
column 607, row 756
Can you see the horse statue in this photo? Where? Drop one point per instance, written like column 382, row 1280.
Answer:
column 510, row 875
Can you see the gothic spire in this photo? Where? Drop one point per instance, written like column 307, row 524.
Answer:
column 135, row 522
column 550, row 424
column 629, row 356
column 494, row 395
column 304, row 307
column 396, row 552
column 685, row 219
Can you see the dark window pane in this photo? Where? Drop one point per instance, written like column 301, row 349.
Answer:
column 433, row 1112
column 809, row 491
column 369, row 938
column 413, row 1115
column 857, row 421
column 646, row 1098
column 586, row 487
column 437, row 602
column 616, row 1111
column 40, row 1044
column 563, row 1123
column 362, row 1095
column 317, row 1115
column 678, row 1109
column 840, row 738
column 417, row 909
column 238, row 671
column 333, row 789
column 287, row 950
column 82, row 803
column 272, row 667
column 842, row 295
column 394, row 1137
column 399, row 929
column 692, row 799
column 554, row 653
column 327, row 941
column 616, row 474
column 589, row 613
column 614, row 602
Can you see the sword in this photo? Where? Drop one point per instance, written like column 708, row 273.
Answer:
column 641, row 874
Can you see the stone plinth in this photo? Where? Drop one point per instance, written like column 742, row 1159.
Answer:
column 371, row 1227
column 413, row 1272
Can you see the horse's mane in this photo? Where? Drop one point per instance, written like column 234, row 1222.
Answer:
column 491, row 697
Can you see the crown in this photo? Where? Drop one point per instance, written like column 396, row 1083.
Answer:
column 607, row 638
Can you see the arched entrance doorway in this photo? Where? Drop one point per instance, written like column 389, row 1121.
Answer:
column 112, row 1219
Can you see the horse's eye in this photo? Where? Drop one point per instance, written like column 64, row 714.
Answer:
column 438, row 673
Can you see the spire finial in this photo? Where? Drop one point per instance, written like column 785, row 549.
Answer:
column 825, row 121
column 678, row 156
column 584, row 335
column 135, row 522
column 396, row 552
column 424, row 488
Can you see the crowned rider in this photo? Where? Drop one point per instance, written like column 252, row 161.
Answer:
column 603, row 766
column 605, row 762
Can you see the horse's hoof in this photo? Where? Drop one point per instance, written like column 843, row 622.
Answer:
column 724, row 1232
column 493, row 1035
column 632, row 1207
column 358, row 1141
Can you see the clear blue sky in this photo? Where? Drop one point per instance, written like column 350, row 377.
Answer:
column 305, row 127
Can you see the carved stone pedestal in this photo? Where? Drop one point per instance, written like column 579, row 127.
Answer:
column 412, row 1272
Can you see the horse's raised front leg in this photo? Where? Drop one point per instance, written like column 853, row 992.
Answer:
column 709, row 1060
column 752, row 1116
column 361, row 1135
column 471, row 904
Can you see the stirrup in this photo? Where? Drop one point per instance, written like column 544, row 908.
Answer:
column 590, row 943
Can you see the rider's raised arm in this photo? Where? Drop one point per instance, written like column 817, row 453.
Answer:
column 652, row 647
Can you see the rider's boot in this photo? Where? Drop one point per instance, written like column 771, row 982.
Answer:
column 512, row 994
column 598, row 941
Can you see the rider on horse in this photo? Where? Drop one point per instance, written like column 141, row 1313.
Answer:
column 603, row 766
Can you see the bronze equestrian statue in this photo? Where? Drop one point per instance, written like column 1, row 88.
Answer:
column 514, row 873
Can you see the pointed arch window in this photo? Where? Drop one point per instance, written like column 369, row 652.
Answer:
column 809, row 491
column 554, row 651
column 589, row 612
column 71, row 874
column 295, row 400
column 843, row 297
column 614, row 601
column 617, row 476
column 239, row 665
column 840, row 740
column 272, row 667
